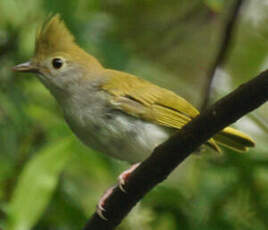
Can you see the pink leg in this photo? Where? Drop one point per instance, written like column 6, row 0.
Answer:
column 121, row 182
column 100, row 206
column 125, row 175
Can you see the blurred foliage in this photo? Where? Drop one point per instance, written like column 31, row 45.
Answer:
column 49, row 180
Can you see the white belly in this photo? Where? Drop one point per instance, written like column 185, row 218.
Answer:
column 116, row 134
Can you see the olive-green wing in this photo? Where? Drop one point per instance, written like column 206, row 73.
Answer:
column 149, row 102
column 159, row 105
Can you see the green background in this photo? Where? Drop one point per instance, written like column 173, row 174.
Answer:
column 49, row 180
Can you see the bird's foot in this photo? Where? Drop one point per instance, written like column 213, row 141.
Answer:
column 101, row 204
column 123, row 177
column 121, row 182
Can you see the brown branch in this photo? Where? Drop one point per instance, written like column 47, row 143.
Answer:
column 169, row 155
column 223, row 50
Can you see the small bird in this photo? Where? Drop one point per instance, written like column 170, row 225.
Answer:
column 111, row 111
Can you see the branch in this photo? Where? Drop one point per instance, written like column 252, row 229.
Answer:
column 170, row 154
column 223, row 50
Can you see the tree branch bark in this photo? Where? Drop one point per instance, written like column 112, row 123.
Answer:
column 170, row 154
column 223, row 50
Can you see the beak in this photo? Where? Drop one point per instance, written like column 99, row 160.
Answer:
column 25, row 67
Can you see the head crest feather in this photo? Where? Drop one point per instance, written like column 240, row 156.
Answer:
column 53, row 37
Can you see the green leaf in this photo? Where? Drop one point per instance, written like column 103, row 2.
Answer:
column 36, row 185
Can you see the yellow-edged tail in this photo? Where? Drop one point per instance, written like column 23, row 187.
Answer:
column 234, row 139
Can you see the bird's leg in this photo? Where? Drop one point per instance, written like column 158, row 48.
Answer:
column 100, row 206
column 123, row 177
column 121, row 182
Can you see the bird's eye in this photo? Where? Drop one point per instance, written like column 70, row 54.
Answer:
column 57, row 63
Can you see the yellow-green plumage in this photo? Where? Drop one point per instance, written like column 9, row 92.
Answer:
column 87, row 91
column 166, row 108
column 54, row 38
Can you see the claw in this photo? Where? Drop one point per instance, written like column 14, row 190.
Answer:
column 123, row 177
column 100, row 214
column 101, row 204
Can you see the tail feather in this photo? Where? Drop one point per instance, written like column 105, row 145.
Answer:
column 234, row 139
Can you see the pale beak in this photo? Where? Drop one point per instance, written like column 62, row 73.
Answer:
column 26, row 67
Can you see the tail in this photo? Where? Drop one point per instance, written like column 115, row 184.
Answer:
column 234, row 139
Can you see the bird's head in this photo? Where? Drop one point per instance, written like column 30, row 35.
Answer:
column 57, row 59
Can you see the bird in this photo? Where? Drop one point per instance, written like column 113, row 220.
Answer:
column 111, row 111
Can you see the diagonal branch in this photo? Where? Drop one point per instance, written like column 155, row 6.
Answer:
column 170, row 154
column 223, row 50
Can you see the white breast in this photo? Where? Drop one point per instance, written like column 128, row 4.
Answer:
column 112, row 132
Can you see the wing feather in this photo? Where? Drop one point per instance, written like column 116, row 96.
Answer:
column 143, row 99
column 162, row 103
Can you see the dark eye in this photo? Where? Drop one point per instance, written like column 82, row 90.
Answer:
column 57, row 63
